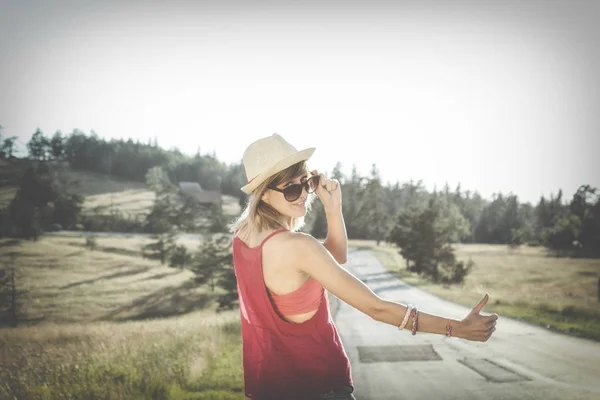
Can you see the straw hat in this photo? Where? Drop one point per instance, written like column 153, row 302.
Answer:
column 268, row 156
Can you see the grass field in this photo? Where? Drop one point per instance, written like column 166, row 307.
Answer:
column 62, row 281
column 109, row 324
column 523, row 283
column 196, row 356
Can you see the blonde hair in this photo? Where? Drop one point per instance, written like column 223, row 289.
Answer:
column 260, row 215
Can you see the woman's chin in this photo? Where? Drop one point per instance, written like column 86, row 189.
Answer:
column 298, row 210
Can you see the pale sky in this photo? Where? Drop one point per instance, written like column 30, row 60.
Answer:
column 497, row 95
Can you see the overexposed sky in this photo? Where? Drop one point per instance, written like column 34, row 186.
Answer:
column 497, row 95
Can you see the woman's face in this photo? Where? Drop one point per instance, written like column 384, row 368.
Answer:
column 294, row 209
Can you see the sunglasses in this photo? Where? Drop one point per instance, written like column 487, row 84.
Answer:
column 293, row 192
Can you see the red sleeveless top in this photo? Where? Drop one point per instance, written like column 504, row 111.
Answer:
column 305, row 299
column 281, row 359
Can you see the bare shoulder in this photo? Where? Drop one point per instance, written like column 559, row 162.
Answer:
column 304, row 253
column 297, row 243
column 283, row 241
column 295, row 246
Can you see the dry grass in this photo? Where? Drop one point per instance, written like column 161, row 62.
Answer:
column 129, row 202
column 63, row 281
column 89, row 183
column 84, row 337
column 122, row 242
column 137, row 202
column 197, row 356
column 231, row 206
column 523, row 283
column 6, row 196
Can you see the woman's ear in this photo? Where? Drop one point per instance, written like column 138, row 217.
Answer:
column 265, row 197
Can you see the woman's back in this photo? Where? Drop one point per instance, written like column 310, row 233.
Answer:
column 288, row 288
column 283, row 359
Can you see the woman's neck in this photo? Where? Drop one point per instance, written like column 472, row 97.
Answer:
column 286, row 222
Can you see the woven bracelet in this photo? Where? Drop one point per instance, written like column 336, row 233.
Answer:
column 415, row 321
column 406, row 315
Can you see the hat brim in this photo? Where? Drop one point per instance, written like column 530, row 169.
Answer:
column 288, row 161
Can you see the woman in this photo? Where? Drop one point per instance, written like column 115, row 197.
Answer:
column 291, row 347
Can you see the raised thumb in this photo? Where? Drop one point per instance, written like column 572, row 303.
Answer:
column 481, row 304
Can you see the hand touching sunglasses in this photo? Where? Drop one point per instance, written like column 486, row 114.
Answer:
column 294, row 191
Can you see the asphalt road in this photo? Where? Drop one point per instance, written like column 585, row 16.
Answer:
column 519, row 361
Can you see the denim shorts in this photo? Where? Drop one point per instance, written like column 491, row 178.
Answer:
column 344, row 393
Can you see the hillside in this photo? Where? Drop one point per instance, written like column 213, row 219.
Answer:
column 105, row 323
column 102, row 192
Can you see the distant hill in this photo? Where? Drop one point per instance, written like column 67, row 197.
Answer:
column 102, row 192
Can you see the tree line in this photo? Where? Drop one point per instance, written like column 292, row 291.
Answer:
column 128, row 159
column 423, row 224
column 371, row 208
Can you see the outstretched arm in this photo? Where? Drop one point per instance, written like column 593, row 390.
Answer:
column 314, row 260
column 474, row 327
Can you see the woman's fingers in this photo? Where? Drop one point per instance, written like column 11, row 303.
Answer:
column 331, row 185
column 323, row 180
column 328, row 184
column 483, row 329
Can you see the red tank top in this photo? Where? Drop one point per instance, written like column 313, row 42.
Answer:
column 281, row 359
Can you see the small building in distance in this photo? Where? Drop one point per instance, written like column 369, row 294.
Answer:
column 203, row 197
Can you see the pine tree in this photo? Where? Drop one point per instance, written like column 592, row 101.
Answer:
column 161, row 248
column 319, row 226
column 38, row 146
column 212, row 258
column 11, row 311
column 372, row 214
column 7, row 145
column 423, row 236
column 337, row 173
column 352, row 192
column 57, row 147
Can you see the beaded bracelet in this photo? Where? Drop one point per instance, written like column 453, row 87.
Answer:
column 448, row 329
column 415, row 321
column 406, row 315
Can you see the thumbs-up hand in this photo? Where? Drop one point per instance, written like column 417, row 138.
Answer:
column 477, row 327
